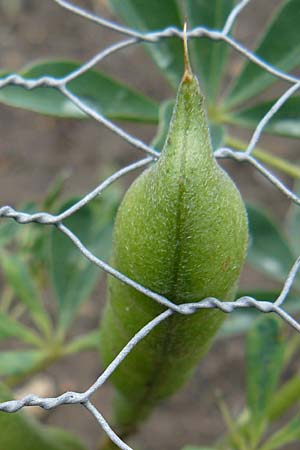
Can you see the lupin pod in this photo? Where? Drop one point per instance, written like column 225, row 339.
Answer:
column 181, row 231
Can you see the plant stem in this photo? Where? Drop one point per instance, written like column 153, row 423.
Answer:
column 265, row 157
column 288, row 395
column 285, row 397
column 235, row 436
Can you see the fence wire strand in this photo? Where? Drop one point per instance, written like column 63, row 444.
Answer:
column 44, row 218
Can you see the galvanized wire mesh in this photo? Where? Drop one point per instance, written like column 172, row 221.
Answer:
column 43, row 218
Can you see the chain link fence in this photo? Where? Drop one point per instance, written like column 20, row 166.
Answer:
column 43, row 218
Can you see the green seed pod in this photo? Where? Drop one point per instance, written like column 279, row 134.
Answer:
column 181, row 231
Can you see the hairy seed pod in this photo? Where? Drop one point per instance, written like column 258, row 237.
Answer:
column 181, row 231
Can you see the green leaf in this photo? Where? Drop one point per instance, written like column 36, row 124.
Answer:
column 89, row 341
column 10, row 328
column 19, row 431
column 20, row 362
column 102, row 93
column 286, row 396
column 8, row 230
column 67, row 440
column 17, row 275
column 279, row 46
column 269, row 250
column 146, row 16
column 293, row 223
column 55, row 191
column 217, row 133
column 74, row 277
column 210, row 57
column 264, row 362
column 287, row 434
column 286, row 121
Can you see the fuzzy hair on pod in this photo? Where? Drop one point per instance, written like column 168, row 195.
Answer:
column 181, row 231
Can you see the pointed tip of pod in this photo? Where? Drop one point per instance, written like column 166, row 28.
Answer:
column 188, row 74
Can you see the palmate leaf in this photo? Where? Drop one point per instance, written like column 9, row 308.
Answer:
column 17, row 274
column 10, row 328
column 88, row 341
column 101, row 92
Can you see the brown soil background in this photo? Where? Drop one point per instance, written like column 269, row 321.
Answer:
column 34, row 149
